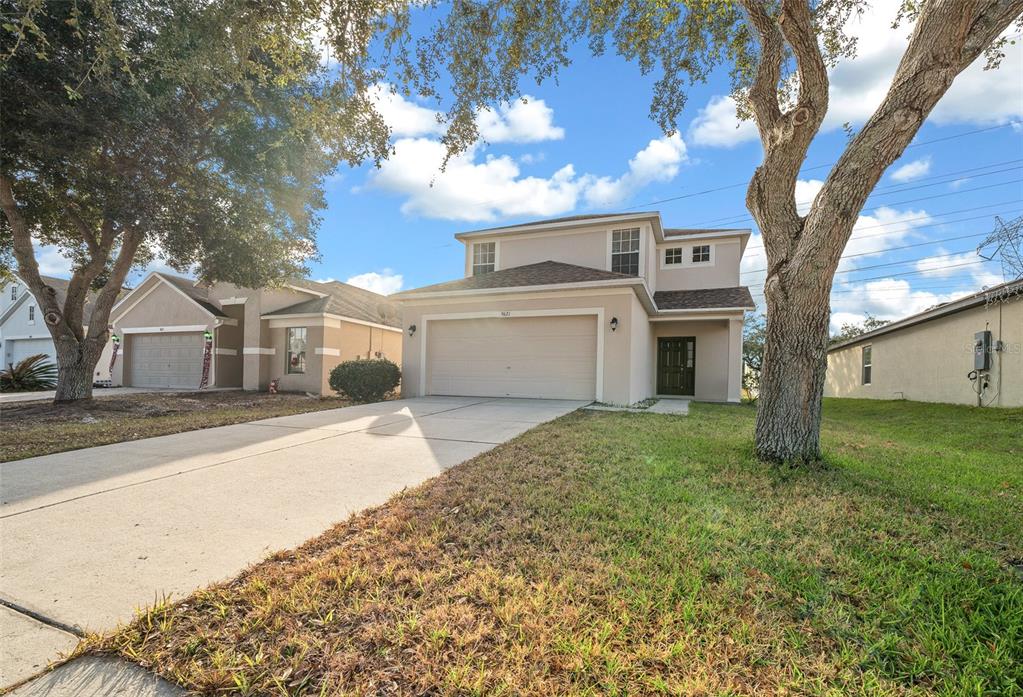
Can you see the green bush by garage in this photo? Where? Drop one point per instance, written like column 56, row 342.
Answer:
column 365, row 380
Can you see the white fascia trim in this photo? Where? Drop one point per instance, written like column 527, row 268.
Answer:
column 227, row 352
column 699, row 310
column 309, row 291
column 177, row 328
column 258, row 351
column 116, row 314
column 710, row 234
column 342, row 318
column 232, row 301
column 327, row 352
column 583, row 222
column 28, row 336
column 509, row 314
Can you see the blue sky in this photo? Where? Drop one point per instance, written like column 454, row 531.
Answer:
column 587, row 144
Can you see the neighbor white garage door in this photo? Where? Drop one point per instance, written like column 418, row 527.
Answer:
column 166, row 360
column 17, row 350
column 545, row 357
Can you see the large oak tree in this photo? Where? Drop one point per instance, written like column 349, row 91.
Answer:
column 778, row 54
column 196, row 131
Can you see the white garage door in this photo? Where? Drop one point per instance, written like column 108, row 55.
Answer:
column 545, row 357
column 166, row 360
column 17, row 350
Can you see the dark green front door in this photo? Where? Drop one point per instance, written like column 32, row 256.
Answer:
column 676, row 365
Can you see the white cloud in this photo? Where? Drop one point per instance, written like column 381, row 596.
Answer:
column 945, row 265
column 857, row 86
column 526, row 120
column 658, row 161
column 475, row 186
column 806, row 192
column 51, row 260
column 385, row 282
column 405, row 118
column 887, row 299
column 912, row 170
column 717, row 126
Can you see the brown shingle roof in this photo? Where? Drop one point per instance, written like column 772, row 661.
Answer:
column 704, row 299
column 344, row 300
column 543, row 273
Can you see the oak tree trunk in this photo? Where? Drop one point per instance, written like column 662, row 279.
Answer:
column 76, row 364
column 792, row 373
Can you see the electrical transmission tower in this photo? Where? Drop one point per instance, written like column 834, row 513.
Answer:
column 1006, row 243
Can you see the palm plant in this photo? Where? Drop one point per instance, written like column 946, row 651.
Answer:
column 29, row 374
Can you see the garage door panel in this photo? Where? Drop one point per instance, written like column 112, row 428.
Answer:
column 166, row 360
column 546, row 357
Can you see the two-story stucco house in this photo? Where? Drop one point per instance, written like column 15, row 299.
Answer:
column 23, row 331
column 295, row 334
column 615, row 308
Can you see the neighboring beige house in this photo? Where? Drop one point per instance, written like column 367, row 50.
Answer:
column 969, row 351
column 296, row 333
column 615, row 308
column 24, row 333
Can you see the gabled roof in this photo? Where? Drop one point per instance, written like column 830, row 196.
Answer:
column 343, row 300
column 543, row 273
column 200, row 295
column 564, row 219
column 1003, row 291
column 705, row 299
column 60, row 286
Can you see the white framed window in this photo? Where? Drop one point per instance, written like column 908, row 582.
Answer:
column 868, row 364
column 625, row 251
column 701, row 254
column 295, row 350
column 673, row 256
column 14, row 291
column 484, row 257
column 31, row 313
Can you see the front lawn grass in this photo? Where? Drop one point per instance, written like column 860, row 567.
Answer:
column 28, row 429
column 635, row 554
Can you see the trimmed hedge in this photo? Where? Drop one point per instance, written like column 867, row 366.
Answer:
column 365, row 381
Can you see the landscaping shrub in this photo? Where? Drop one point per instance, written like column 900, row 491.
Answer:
column 365, row 381
column 32, row 373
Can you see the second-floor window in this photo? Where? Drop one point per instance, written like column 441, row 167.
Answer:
column 701, row 253
column 484, row 257
column 673, row 256
column 625, row 251
column 14, row 292
column 31, row 313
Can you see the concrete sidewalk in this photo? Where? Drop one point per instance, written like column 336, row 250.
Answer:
column 88, row 536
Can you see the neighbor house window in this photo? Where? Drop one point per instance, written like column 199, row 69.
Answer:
column 672, row 256
column 701, row 253
column 625, row 251
column 867, row 364
column 14, row 292
column 31, row 313
column 484, row 257
column 296, row 350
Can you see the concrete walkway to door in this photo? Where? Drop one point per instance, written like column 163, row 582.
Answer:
column 87, row 536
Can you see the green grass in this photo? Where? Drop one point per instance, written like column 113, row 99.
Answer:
column 634, row 554
column 38, row 428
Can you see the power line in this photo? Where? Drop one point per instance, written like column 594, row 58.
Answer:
column 810, row 169
column 903, row 273
column 738, row 219
column 903, row 221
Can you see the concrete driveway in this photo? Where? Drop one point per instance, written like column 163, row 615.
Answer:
column 87, row 536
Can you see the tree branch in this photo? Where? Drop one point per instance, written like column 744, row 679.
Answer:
column 949, row 35
column 99, row 320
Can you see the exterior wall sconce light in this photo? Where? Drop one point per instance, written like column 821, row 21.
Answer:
column 411, row 329
column 614, row 323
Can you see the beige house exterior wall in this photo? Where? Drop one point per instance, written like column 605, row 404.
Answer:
column 722, row 273
column 228, row 343
column 616, row 356
column 928, row 362
column 164, row 307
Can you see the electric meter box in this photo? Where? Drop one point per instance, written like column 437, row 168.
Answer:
column 982, row 350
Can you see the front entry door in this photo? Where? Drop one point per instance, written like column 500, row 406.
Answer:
column 676, row 365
